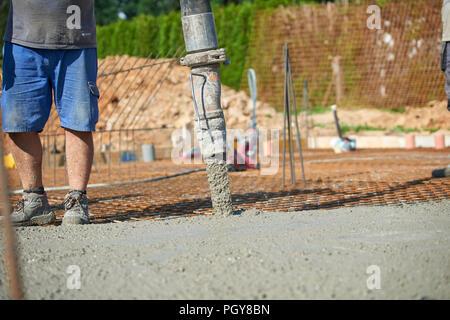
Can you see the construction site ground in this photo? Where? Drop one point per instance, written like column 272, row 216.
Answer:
column 159, row 240
column 364, row 177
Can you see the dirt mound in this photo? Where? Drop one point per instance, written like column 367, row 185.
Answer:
column 431, row 118
column 157, row 94
column 161, row 97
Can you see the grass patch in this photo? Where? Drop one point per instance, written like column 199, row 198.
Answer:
column 319, row 110
column 404, row 130
column 433, row 130
column 394, row 110
column 346, row 128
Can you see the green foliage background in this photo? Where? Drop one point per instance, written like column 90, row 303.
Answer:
column 147, row 34
column 154, row 26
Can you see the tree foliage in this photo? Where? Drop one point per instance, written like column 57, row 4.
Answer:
column 153, row 26
column 107, row 11
column 163, row 34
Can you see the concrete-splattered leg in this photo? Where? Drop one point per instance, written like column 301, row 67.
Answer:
column 80, row 155
column 26, row 149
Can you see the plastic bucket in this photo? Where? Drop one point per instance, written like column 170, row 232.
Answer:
column 148, row 153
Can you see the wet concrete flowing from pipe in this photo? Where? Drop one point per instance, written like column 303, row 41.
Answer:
column 220, row 188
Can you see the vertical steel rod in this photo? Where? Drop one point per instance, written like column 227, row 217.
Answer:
column 294, row 106
column 11, row 261
column 110, row 157
column 120, row 148
column 128, row 150
column 134, row 151
column 284, row 128
column 65, row 161
column 288, row 112
column 54, row 160
column 306, row 108
column 48, row 153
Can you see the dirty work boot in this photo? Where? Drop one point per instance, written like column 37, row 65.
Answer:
column 442, row 173
column 76, row 205
column 32, row 210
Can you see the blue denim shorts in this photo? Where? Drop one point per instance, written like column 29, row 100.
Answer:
column 32, row 77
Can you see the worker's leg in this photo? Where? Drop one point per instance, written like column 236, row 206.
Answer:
column 26, row 102
column 26, row 149
column 76, row 98
column 33, row 208
column 79, row 157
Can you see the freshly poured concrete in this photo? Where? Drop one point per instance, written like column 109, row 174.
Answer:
column 255, row 255
column 220, row 187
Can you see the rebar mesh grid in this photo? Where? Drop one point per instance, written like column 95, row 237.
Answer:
column 128, row 87
column 333, row 181
column 393, row 67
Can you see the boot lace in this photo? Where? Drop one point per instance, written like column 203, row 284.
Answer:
column 72, row 201
column 20, row 206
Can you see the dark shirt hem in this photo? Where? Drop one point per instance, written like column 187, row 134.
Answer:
column 51, row 46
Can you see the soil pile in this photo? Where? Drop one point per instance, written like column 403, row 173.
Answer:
column 161, row 96
column 431, row 118
column 157, row 94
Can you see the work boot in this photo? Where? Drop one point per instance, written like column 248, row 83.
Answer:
column 76, row 205
column 442, row 173
column 32, row 210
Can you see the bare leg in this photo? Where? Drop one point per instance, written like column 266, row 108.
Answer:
column 27, row 152
column 79, row 155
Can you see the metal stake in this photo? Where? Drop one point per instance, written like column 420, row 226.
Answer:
column 287, row 112
column 289, row 97
column 11, row 261
column 294, row 105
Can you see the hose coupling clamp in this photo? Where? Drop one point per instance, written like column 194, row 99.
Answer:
column 205, row 58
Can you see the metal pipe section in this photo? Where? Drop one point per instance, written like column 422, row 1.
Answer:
column 198, row 25
column 306, row 108
column 204, row 59
column 287, row 116
column 252, row 86
column 336, row 121
column 11, row 261
column 294, row 112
